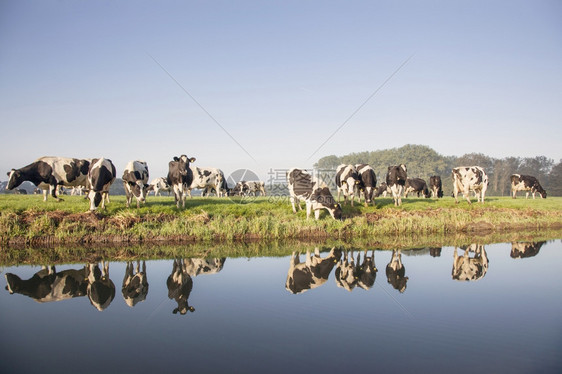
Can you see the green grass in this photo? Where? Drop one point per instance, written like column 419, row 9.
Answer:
column 29, row 220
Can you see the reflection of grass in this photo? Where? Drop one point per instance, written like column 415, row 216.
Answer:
column 27, row 219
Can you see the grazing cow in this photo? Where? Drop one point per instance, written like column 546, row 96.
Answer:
column 382, row 190
column 207, row 179
column 180, row 285
column 100, row 289
column 469, row 178
column 346, row 272
column 528, row 184
column 395, row 272
column 180, row 177
column 159, row 184
column 523, row 250
column 436, row 186
column 249, row 188
column 347, row 179
column 135, row 181
column 368, row 182
column 49, row 285
column 302, row 187
column 396, row 177
column 48, row 173
column 466, row 268
column 100, row 177
column 313, row 273
column 135, row 284
column 416, row 185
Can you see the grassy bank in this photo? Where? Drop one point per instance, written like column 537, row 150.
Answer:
column 28, row 220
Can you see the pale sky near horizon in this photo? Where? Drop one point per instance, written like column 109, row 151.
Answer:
column 264, row 84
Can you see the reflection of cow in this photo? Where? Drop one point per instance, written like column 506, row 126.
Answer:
column 346, row 272
column 135, row 284
column 350, row 274
column 522, row 250
column 49, row 285
column 466, row 268
column 198, row 266
column 395, row 272
column 101, row 289
column 367, row 271
column 180, row 285
column 313, row 273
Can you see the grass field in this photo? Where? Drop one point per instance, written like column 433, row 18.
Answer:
column 29, row 220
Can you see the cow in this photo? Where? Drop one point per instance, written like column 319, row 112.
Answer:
column 346, row 272
column 523, row 250
column 302, row 187
column 48, row 285
column 366, row 271
column 466, row 268
column 382, row 190
column 207, row 179
column 528, row 184
column 48, row 173
column 395, row 272
column 368, row 182
column 436, row 186
column 100, row 177
column 249, row 188
column 416, row 185
column 469, row 178
column 198, row 266
column 135, row 182
column 100, row 289
column 159, row 184
column 313, row 273
column 347, row 179
column 179, row 285
column 135, row 284
column 396, row 177
column 180, row 177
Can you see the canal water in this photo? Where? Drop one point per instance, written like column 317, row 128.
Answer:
column 494, row 308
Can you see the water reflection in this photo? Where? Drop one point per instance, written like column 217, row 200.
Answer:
column 363, row 274
column 135, row 284
column 100, row 289
column 525, row 249
column 396, row 272
column 467, row 268
column 313, row 273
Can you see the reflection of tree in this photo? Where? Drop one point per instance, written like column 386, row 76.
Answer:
column 395, row 272
column 466, row 268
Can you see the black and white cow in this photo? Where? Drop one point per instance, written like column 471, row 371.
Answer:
column 469, row 178
column 207, row 179
column 346, row 272
column 528, row 184
column 313, row 273
column 396, row 177
column 416, row 185
column 466, row 268
column 347, row 180
column 135, row 181
column 48, row 285
column 366, row 271
column 100, row 289
column 368, row 182
column 383, row 190
column 198, row 266
column 100, row 177
column 436, row 186
column 135, row 284
column 523, row 250
column 180, row 285
column 249, row 188
column 180, row 177
column 395, row 272
column 302, row 187
column 159, row 184
column 48, row 173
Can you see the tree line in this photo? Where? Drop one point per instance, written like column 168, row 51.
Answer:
column 423, row 162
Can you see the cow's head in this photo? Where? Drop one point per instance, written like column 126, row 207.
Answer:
column 398, row 173
column 323, row 198
column 139, row 190
column 15, row 178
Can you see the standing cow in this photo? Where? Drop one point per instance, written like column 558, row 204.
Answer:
column 135, row 181
column 347, row 180
column 436, row 186
column 396, row 177
column 159, row 184
column 469, row 178
column 100, row 177
column 528, row 184
column 302, row 187
column 416, row 185
column 48, row 173
column 207, row 179
column 180, row 177
column 368, row 182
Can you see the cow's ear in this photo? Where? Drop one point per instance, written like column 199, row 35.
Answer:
column 192, row 159
column 335, row 205
column 176, row 159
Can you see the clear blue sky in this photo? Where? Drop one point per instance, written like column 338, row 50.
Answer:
column 114, row 79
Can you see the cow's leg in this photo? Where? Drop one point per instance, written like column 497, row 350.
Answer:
column 308, row 208
column 526, row 194
column 292, row 199
column 45, row 193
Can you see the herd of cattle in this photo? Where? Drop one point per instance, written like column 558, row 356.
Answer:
column 95, row 176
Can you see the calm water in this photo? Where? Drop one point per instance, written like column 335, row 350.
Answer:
column 246, row 315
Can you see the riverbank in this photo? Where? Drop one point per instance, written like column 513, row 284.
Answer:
column 28, row 221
